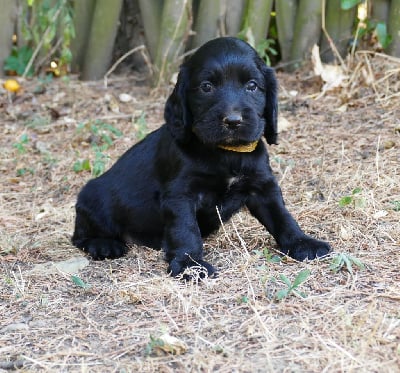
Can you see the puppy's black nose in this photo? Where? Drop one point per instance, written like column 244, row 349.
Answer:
column 233, row 119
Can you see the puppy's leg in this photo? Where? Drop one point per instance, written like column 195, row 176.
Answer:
column 93, row 236
column 268, row 207
column 182, row 243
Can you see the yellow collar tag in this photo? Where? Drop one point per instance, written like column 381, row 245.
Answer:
column 248, row 148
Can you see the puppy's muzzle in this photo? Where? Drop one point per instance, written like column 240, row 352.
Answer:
column 233, row 120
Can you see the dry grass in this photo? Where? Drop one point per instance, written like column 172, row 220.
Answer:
column 347, row 323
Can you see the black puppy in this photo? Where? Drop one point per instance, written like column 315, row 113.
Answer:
column 164, row 192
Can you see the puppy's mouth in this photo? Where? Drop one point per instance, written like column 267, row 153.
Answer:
column 220, row 135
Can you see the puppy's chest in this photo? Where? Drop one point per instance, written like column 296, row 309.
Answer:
column 221, row 188
column 232, row 180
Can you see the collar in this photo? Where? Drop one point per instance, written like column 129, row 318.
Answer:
column 247, row 148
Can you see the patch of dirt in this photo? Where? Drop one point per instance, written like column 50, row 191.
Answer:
column 338, row 165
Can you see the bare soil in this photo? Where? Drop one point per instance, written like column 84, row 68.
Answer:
column 342, row 147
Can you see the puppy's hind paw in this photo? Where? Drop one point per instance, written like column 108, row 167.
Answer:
column 105, row 248
column 191, row 270
column 307, row 248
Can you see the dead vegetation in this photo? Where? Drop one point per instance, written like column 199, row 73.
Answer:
column 338, row 165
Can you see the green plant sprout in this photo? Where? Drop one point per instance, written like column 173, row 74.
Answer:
column 102, row 137
column 345, row 261
column 396, row 205
column 268, row 256
column 20, row 145
column 140, row 126
column 301, row 277
column 354, row 199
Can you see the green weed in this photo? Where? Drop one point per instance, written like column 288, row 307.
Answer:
column 396, row 205
column 99, row 163
column 291, row 287
column 25, row 170
column 102, row 136
column 20, row 145
column 355, row 199
column 82, row 165
column 18, row 60
column 46, row 25
column 79, row 282
column 345, row 261
column 154, row 344
column 140, row 126
column 368, row 26
column 100, row 133
column 268, row 256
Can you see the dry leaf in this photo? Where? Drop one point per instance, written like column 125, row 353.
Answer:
column 332, row 75
column 170, row 345
column 283, row 123
column 380, row 214
column 346, row 233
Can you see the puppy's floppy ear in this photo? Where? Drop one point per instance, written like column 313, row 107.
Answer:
column 271, row 106
column 176, row 113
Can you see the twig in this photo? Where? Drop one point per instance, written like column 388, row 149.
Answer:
column 330, row 41
column 377, row 160
column 114, row 66
column 50, row 53
column 223, row 226
column 39, row 46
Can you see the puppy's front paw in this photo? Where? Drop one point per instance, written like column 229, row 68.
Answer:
column 105, row 248
column 177, row 267
column 307, row 248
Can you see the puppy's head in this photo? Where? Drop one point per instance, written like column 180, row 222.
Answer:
column 225, row 95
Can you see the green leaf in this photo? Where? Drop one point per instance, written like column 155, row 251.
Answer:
column 336, row 263
column 283, row 293
column 383, row 37
column 301, row 277
column 396, row 205
column 285, row 280
column 274, row 259
column 346, row 200
column 356, row 191
column 244, row 299
column 77, row 281
column 300, row 293
column 82, row 165
column 347, row 263
column 357, row 262
column 18, row 60
column 348, row 4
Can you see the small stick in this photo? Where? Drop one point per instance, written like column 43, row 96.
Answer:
column 127, row 54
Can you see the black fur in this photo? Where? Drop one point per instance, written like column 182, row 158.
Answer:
column 164, row 191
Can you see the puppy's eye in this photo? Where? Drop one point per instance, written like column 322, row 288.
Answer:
column 251, row 86
column 206, row 87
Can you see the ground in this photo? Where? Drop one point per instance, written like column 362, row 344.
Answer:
column 338, row 166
